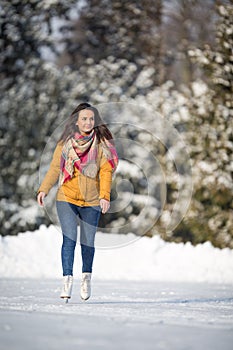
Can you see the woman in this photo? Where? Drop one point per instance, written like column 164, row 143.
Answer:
column 83, row 161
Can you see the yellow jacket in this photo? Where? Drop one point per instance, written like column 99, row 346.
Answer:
column 80, row 190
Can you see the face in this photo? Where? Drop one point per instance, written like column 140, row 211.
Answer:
column 86, row 121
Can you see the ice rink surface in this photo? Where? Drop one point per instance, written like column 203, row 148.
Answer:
column 119, row 315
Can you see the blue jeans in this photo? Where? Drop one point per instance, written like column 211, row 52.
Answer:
column 70, row 215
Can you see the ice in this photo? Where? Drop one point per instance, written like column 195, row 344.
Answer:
column 119, row 315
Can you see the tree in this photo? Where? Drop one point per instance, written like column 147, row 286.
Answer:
column 211, row 140
column 127, row 30
column 32, row 95
column 186, row 23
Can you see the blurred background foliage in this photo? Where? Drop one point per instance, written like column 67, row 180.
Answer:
column 174, row 56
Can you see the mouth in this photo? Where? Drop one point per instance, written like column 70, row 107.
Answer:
column 88, row 130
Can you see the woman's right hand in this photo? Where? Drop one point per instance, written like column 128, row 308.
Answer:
column 40, row 198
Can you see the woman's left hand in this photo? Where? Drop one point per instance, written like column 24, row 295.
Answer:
column 104, row 205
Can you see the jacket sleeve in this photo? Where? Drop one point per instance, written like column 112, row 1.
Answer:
column 53, row 173
column 105, row 178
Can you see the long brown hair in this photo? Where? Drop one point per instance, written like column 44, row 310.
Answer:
column 102, row 132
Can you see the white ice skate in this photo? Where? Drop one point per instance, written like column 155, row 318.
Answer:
column 67, row 288
column 85, row 291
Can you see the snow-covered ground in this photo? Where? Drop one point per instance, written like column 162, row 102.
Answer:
column 37, row 255
column 146, row 294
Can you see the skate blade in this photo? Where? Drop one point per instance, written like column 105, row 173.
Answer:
column 65, row 299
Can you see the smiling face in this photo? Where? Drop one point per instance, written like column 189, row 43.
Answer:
column 86, row 121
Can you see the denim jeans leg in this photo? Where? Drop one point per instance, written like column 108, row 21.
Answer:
column 67, row 255
column 68, row 219
column 89, row 219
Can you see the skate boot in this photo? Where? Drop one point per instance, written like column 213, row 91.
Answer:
column 85, row 291
column 67, row 288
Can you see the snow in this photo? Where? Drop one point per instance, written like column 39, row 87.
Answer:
column 146, row 294
column 207, row 167
column 144, row 79
column 126, row 167
column 199, row 88
column 118, row 257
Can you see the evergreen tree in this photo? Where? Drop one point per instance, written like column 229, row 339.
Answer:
column 32, row 95
column 211, row 141
column 185, row 23
column 126, row 30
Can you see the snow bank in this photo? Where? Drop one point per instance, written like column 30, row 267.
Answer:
column 37, row 254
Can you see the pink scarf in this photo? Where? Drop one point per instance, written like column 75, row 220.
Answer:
column 82, row 152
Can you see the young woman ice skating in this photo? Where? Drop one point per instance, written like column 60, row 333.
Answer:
column 84, row 161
